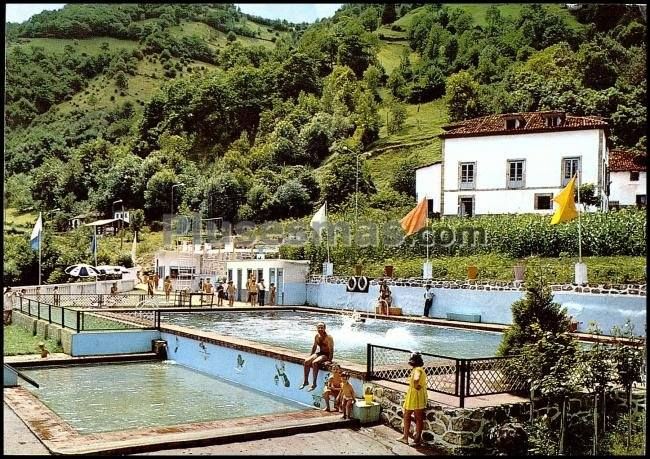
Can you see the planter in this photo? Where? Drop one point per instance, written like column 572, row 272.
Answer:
column 472, row 272
column 388, row 271
column 358, row 269
column 519, row 272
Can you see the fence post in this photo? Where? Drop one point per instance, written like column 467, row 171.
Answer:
column 49, row 313
column 462, row 381
column 368, row 361
column 78, row 321
column 62, row 318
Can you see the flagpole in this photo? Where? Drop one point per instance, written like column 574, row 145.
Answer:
column 579, row 223
column 40, row 242
column 328, row 235
column 95, row 251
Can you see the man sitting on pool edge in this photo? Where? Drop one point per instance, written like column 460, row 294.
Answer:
column 325, row 354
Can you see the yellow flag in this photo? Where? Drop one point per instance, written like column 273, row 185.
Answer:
column 567, row 209
column 416, row 219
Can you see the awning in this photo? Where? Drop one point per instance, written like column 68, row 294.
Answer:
column 104, row 222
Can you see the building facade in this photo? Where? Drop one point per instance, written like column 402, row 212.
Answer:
column 514, row 163
column 627, row 178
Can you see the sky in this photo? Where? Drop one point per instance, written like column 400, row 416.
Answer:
column 292, row 12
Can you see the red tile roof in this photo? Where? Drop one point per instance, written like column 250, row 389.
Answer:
column 532, row 122
column 627, row 160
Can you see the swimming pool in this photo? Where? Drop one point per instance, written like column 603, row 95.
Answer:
column 116, row 397
column 296, row 330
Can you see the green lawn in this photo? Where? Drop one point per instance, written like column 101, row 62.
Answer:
column 18, row 341
column 390, row 53
column 90, row 46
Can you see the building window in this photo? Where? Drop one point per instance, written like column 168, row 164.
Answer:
column 514, row 123
column 570, row 167
column 634, row 176
column 553, row 121
column 640, row 200
column 515, row 173
column 543, row 201
column 466, row 206
column 467, row 174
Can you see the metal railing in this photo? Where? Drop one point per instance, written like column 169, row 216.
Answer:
column 460, row 378
column 94, row 319
column 180, row 298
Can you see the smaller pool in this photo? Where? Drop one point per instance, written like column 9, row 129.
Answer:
column 113, row 397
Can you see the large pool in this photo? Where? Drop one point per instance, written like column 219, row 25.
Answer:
column 296, row 330
column 113, row 397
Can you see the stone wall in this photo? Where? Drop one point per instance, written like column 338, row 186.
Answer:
column 465, row 430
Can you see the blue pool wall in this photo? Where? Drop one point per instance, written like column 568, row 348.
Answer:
column 294, row 294
column 112, row 342
column 249, row 369
column 493, row 306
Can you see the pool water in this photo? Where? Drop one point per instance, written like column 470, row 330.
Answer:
column 114, row 397
column 296, row 331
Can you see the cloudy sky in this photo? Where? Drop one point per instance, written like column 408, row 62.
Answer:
column 292, row 12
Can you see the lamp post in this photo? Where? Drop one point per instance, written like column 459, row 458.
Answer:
column 121, row 220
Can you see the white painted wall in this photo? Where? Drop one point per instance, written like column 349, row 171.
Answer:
column 623, row 190
column 428, row 182
column 543, row 153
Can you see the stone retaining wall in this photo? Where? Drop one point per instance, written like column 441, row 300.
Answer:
column 614, row 289
column 465, row 430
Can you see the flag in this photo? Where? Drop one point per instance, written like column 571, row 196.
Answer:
column 35, row 239
column 135, row 243
column 416, row 219
column 567, row 207
column 319, row 217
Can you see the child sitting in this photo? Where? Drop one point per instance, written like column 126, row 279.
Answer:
column 346, row 396
column 43, row 350
column 333, row 387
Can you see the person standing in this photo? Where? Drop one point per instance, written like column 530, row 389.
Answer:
column 325, row 354
column 428, row 300
column 56, row 296
column 156, row 281
column 346, row 396
column 231, row 293
column 415, row 400
column 252, row 290
column 272, row 294
column 167, row 287
column 221, row 293
column 261, row 292
column 8, row 305
column 150, row 286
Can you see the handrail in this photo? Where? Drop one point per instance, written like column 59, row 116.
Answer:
column 457, row 377
column 22, row 376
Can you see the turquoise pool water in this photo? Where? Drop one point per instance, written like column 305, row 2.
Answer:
column 296, row 330
column 113, row 397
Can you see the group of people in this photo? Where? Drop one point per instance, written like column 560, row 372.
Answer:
column 257, row 292
column 224, row 290
column 338, row 384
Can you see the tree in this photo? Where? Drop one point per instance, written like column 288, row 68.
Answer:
column 340, row 180
column 121, row 81
column 536, row 309
column 389, row 15
column 462, row 96
column 403, row 180
column 369, row 18
column 398, row 115
column 136, row 219
column 231, row 37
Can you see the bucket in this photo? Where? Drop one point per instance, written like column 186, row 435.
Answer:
column 472, row 272
column 368, row 399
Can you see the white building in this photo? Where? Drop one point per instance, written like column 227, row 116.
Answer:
column 513, row 163
column 627, row 178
